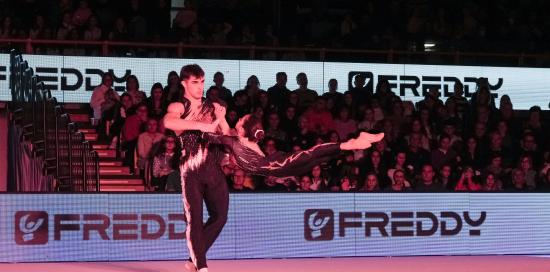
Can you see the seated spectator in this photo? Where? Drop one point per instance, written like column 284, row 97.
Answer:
column 526, row 165
column 544, row 184
column 119, row 32
column 416, row 127
column 416, row 155
column 132, row 88
column 347, row 184
column 467, row 182
column 472, row 154
column 318, row 182
column 344, row 125
column 146, row 141
column 371, row 183
column 491, row 183
column 400, row 164
column 319, row 118
column 375, row 164
column 519, row 183
column 155, row 102
column 133, row 126
column 305, row 138
column 444, row 154
column 273, row 130
column 306, row 96
column 368, row 121
column 399, row 182
column 446, row 177
column 238, row 184
column 165, row 162
column 104, row 99
column 427, row 182
column 305, row 184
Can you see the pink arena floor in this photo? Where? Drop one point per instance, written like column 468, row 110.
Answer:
column 382, row 264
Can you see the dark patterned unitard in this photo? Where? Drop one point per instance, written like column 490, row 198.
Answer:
column 202, row 179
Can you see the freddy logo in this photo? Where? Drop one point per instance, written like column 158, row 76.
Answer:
column 319, row 225
column 31, row 228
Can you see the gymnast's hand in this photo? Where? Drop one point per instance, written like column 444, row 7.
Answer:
column 219, row 111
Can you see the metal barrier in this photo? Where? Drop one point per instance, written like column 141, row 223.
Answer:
column 65, row 153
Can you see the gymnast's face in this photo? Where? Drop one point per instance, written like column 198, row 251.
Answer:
column 194, row 87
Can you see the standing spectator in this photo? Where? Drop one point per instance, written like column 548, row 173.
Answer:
column 344, row 125
column 104, row 98
column 165, row 162
column 184, row 19
column 93, row 31
column 81, row 14
column 278, row 93
column 38, row 29
column 124, row 109
column 333, row 93
column 155, row 102
column 224, row 93
column 66, row 27
column 130, row 132
column 173, row 91
column 460, row 102
column 7, row 31
column 119, row 32
column 360, row 92
column 146, row 141
column 306, row 96
column 132, row 88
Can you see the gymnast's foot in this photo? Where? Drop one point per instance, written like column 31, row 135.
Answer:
column 364, row 141
column 190, row 266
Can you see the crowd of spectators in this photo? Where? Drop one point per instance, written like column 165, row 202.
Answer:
column 491, row 26
column 434, row 145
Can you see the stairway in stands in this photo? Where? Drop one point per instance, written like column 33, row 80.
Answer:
column 113, row 175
